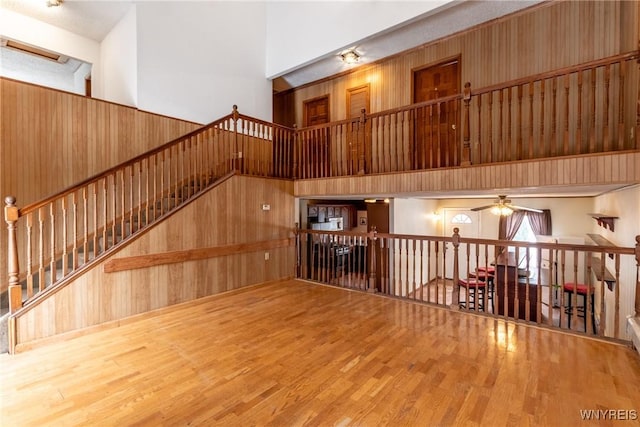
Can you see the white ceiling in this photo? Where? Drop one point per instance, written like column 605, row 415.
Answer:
column 91, row 18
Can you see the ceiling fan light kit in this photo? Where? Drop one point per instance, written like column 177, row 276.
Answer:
column 503, row 207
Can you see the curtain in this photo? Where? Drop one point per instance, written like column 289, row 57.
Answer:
column 508, row 225
column 540, row 222
column 507, row 229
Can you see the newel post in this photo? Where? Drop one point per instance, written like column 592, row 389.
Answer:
column 296, row 144
column 455, row 239
column 14, row 290
column 465, row 159
column 637, row 299
column 237, row 155
column 362, row 142
column 372, row 236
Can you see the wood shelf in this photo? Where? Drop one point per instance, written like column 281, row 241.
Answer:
column 608, row 278
column 600, row 241
column 603, row 220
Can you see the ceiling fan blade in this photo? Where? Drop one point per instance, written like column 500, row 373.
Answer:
column 522, row 208
column 481, row 208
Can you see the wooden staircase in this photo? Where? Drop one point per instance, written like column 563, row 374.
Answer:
column 57, row 239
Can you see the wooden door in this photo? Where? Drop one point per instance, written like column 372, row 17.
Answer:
column 358, row 139
column 317, row 140
column 435, row 132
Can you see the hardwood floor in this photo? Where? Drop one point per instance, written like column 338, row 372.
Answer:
column 295, row 353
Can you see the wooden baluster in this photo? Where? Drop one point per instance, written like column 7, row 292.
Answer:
column 123, row 194
column 439, row 142
column 295, row 147
column 11, row 215
column 105, row 218
column 85, row 225
column 29, row 252
column 74, row 203
column 421, row 278
column 94, row 232
column 592, row 119
column 490, row 130
column 605, row 131
column 553, row 284
column 500, row 151
column 565, row 148
column 372, row 237
column 479, row 153
column 621, row 96
column 588, row 306
column 52, row 244
column 436, row 256
column 41, row 283
column 543, row 142
column 520, row 143
column 407, row 283
column 554, row 101
column 616, row 315
column 509, row 148
column 456, row 272
column 579, row 116
column 531, row 142
column 362, row 142
column 465, row 156
column 65, row 261
column 131, row 191
column 516, row 299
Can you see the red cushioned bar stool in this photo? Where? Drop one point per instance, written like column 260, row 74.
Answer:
column 475, row 291
column 580, row 291
column 486, row 274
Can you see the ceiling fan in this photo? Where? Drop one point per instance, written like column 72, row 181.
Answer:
column 502, row 206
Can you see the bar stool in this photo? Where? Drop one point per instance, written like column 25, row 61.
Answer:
column 580, row 290
column 486, row 274
column 475, row 291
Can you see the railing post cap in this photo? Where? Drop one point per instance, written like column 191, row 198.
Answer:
column 10, row 201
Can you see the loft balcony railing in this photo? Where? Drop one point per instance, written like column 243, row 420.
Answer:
column 584, row 109
column 533, row 283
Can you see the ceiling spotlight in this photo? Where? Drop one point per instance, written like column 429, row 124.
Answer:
column 54, row 3
column 350, row 56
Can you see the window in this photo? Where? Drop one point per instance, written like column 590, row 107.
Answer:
column 525, row 234
column 461, row 219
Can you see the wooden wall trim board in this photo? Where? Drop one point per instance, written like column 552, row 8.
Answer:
column 592, row 169
column 151, row 260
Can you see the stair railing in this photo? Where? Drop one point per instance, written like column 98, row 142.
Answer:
column 56, row 237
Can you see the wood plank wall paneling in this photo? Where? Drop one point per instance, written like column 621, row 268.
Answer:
column 50, row 140
column 550, row 36
column 229, row 214
column 613, row 168
column 53, row 139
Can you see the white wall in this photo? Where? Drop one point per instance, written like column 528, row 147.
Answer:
column 31, row 31
column 119, row 57
column 197, row 59
column 625, row 204
column 329, row 26
column 79, row 78
column 568, row 215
